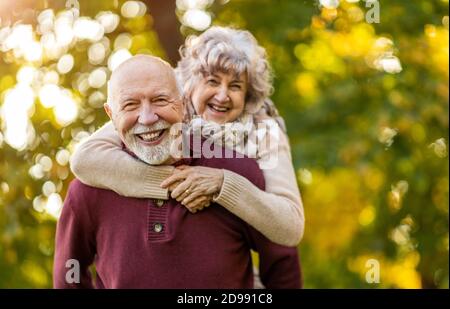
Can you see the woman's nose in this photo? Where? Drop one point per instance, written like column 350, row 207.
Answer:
column 222, row 94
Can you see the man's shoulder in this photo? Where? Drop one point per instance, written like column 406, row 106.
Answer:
column 79, row 188
column 81, row 192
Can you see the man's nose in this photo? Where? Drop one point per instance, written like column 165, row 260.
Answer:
column 147, row 115
column 222, row 94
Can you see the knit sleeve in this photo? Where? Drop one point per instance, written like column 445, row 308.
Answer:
column 100, row 162
column 276, row 212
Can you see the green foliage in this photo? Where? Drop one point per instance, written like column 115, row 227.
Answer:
column 363, row 198
column 369, row 146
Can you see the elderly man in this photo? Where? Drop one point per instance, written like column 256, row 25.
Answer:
column 142, row 243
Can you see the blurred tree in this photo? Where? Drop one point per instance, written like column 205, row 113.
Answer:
column 52, row 87
column 167, row 26
column 366, row 105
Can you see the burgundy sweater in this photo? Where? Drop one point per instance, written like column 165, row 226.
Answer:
column 143, row 243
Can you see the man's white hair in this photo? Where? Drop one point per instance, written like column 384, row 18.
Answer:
column 230, row 50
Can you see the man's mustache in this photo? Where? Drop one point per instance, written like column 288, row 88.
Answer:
column 141, row 129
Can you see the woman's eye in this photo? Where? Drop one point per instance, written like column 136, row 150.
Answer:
column 236, row 87
column 212, row 82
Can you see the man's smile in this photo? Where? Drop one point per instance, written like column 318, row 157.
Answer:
column 151, row 138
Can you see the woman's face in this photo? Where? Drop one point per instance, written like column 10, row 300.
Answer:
column 220, row 97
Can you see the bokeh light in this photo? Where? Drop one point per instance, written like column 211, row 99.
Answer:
column 48, row 188
column 65, row 64
column 87, row 29
column 26, row 75
column 132, row 9
column 108, row 20
column 386, row 135
column 96, row 53
column 117, row 58
column 123, row 41
column 62, row 157
column 97, row 78
column 65, row 109
column 64, row 31
column 329, row 4
column 54, row 205
column 439, row 147
column 197, row 19
column 15, row 112
column 48, row 94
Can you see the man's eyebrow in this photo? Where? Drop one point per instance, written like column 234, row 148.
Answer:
column 162, row 94
column 125, row 97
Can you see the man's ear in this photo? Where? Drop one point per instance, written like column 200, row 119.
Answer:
column 108, row 110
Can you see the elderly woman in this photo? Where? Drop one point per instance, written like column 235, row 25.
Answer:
column 226, row 79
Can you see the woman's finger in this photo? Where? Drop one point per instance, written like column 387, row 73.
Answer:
column 193, row 194
column 174, row 185
column 198, row 204
column 181, row 191
column 182, row 167
column 186, row 188
column 201, row 202
column 179, row 176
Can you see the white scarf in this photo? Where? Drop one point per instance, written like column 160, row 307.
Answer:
column 232, row 135
column 243, row 134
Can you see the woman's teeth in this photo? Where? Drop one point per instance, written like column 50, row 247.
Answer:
column 151, row 137
column 218, row 108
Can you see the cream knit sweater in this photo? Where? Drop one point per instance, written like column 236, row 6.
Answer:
column 277, row 212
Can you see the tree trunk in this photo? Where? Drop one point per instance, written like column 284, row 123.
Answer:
column 167, row 27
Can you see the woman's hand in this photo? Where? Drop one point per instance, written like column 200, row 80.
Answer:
column 194, row 186
column 196, row 205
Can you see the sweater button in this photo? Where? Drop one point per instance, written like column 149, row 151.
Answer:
column 159, row 203
column 157, row 227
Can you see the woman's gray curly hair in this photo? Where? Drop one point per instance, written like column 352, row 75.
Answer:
column 228, row 50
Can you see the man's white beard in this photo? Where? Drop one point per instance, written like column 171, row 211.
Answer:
column 153, row 155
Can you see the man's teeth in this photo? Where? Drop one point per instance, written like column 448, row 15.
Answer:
column 219, row 108
column 150, row 137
